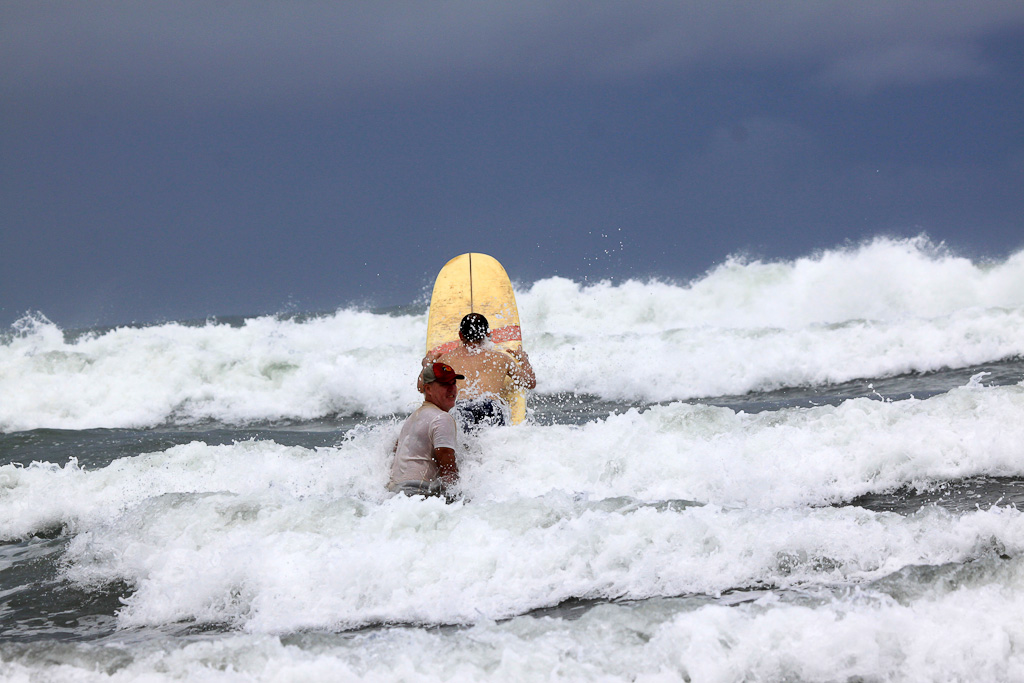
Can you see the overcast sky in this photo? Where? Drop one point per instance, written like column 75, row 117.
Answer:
column 165, row 160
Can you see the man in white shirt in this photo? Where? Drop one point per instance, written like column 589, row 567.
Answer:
column 424, row 462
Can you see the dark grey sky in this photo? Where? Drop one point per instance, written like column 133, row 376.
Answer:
column 161, row 160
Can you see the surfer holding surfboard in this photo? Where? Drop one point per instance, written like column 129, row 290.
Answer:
column 474, row 327
column 492, row 376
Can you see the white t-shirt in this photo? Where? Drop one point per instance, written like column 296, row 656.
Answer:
column 426, row 429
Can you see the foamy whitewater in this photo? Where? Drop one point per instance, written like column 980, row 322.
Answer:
column 782, row 471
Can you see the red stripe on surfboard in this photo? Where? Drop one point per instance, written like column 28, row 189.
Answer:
column 445, row 348
column 507, row 334
column 498, row 336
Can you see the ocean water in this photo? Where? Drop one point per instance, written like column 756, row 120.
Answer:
column 803, row 470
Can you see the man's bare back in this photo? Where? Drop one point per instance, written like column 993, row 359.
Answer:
column 489, row 371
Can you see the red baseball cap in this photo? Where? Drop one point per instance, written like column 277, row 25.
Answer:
column 442, row 373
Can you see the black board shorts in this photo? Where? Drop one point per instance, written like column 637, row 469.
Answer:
column 486, row 411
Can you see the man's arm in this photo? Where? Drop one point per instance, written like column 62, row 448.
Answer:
column 522, row 371
column 431, row 357
column 447, row 468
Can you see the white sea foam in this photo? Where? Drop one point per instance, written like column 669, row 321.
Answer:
column 884, row 280
column 884, row 308
column 266, row 568
column 267, row 369
column 679, row 451
column 782, row 458
column 676, row 500
column 965, row 626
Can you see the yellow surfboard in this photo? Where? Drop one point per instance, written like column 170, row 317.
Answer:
column 476, row 283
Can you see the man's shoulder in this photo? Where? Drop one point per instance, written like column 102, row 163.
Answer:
column 432, row 412
column 457, row 352
column 494, row 352
column 440, row 419
column 428, row 415
column 465, row 357
column 427, row 411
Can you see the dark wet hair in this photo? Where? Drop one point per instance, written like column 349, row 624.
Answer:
column 474, row 327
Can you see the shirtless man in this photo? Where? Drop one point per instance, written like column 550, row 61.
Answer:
column 424, row 461
column 484, row 395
